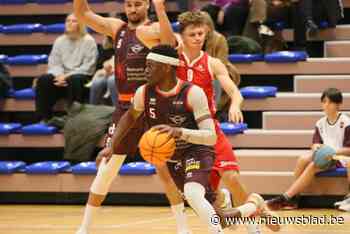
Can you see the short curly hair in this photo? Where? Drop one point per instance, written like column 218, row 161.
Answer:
column 195, row 18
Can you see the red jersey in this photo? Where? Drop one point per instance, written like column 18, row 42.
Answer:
column 199, row 73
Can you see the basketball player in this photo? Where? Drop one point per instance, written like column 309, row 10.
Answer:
column 180, row 109
column 199, row 68
column 130, row 58
column 332, row 130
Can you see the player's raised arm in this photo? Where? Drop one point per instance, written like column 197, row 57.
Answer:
column 221, row 74
column 128, row 120
column 103, row 25
column 160, row 32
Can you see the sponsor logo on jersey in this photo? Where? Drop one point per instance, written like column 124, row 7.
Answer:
column 200, row 68
column 178, row 102
column 192, row 164
column 137, row 48
column 177, row 119
column 152, row 101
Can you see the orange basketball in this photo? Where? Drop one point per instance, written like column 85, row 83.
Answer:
column 156, row 148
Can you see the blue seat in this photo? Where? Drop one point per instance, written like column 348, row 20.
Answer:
column 323, row 24
column 8, row 128
column 8, row 167
column 39, row 129
column 175, row 26
column 24, row 94
column 286, row 56
column 31, row 59
column 84, row 168
column 245, row 58
column 54, row 28
column 11, row 93
column 3, row 58
column 52, row 1
column 47, row 167
column 22, row 28
column 233, row 128
column 1, row 28
column 137, row 168
column 337, row 172
column 13, row 2
column 255, row 92
column 278, row 25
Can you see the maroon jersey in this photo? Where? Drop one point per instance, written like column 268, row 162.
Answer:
column 170, row 110
column 130, row 64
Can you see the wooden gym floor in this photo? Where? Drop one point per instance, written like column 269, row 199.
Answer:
column 25, row 219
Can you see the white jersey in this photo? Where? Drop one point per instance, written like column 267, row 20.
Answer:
column 336, row 135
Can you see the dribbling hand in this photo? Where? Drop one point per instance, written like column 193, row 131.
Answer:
column 104, row 153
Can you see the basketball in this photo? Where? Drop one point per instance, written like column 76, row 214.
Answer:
column 323, row 157
column 156, row 148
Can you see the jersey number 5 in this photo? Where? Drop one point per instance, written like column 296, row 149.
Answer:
column 152, row 113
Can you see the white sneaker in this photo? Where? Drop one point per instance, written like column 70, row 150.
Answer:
column 82, row 231
column 253, row 229
column 344, row 202
column 345, row 207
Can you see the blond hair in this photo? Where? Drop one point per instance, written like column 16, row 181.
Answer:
column 188, row 18
column 81, row 26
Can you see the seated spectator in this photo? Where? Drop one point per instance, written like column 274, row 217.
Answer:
column 229, row 15
column 102, row 86
column 332, row 130
column 72, row 62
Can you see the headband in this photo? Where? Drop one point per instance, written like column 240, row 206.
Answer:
column 163, row 59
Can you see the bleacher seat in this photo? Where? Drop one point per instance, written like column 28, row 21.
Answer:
column 232, row 128
column 24, row 94
column 22, row 28
column 3, row 58
column 8, row 167
column 175, row 26
column 84, row 168
column 245, row 58
column 47, row 167
column 39, row 129
column 1, row 28
column 8, row 128
column 13, row 1
column 286, row 56
column 323, row 24
column 337, row 172
column 31, row 59
column 54, row 28
column 52, row 1
column 257, row 92
column 11, row 93
column 137, row 168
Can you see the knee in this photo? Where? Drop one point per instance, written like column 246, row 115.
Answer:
column 304, row 159
column 193, row 191
column 44, row 80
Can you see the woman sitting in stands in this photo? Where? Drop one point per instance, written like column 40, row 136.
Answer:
column 72, row 62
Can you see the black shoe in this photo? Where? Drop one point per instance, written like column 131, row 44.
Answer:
column 281, row 202
column 312, row 28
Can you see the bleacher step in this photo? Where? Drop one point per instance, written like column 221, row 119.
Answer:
column 318, row 83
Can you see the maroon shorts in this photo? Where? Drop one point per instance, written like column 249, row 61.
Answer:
column 129, row 144
column 195, row 166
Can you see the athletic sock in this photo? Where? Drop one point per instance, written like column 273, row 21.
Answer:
column 89, row 214
column 181, row 218
column 247, row 209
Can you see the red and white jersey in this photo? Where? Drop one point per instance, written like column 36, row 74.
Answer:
column 198, row 72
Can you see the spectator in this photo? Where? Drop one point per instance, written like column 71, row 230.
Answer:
column 72, row 62
column 103, row 83
column 332, row 130
column 228, row 15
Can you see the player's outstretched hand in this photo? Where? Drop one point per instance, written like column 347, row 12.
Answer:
column 104, row 153
column 235, row 114
column 173, row 132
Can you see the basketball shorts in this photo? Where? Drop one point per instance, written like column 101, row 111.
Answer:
column 129, row 144
column 225, row 159
column 195, row 166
